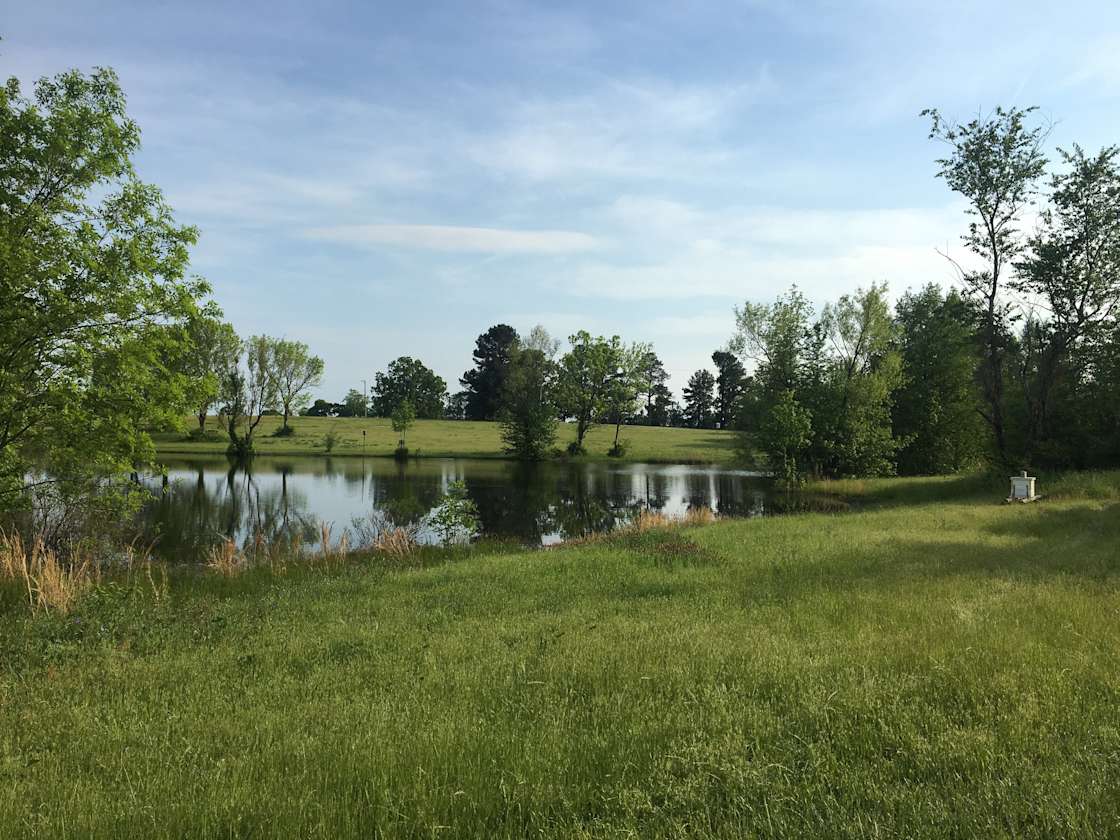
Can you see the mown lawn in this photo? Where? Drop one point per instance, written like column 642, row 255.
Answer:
column 936, row 665
column 453, row 438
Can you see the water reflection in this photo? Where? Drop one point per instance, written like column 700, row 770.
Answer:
column 205, row 501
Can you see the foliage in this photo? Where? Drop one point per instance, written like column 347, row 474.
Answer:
column 994, row 164
column 355, row 404
column 699, row 400
column 214, row 348
column 784, row 435
column 409, row 379
column 586, row 373
column 94, row 297
column 456, row 518
column 404, row 416
column 528, row 416
column 658, row 398
column 295, row 371
column 730, row 377
column 936, row 408
column 323, row 408
column 485, row 382
column 248, row 390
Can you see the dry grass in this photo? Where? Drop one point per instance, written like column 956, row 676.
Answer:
column 699, row 516
column 52, row 583
column 226, row 559
column 396, row 542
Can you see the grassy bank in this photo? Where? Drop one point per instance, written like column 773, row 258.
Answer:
column 937, row 664
column 465, row 439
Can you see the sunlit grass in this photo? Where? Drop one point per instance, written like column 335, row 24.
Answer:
column 459, row 438
column 931, row 666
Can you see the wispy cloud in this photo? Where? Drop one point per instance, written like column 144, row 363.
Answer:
column 457, row 239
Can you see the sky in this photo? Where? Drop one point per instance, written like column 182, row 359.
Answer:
column 383, row 179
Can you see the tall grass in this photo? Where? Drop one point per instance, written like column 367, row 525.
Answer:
column 50, row 582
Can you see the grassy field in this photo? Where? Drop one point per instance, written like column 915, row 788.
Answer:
column 936, row 665
column 467, row 439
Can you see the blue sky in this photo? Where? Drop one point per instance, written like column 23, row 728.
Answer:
column 385, row 179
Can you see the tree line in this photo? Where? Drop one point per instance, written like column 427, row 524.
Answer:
column 105, row 335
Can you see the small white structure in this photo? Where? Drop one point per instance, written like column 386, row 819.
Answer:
column 1022, row 488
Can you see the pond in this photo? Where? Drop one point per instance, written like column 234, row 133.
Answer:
column 204, row 501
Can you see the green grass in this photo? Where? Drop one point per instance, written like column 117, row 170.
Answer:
column 466, row 439
column 936, row 665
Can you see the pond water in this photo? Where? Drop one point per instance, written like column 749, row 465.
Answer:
column 204, row 501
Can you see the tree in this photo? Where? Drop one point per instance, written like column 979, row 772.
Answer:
column 730, row 375
column 528, row 415
column 935, row 413
column 248, row 391
column 456, row 408
column 654, row 390
column 214, row 347
column 484, row 383
column 994, row 164
column 698, row 399
column 92, row 275
column 295, row 371
column 866, row 371
column 354, row 404
column 324, row 408
column 784, row 435
column 404, row 415
column 1073, row 266
column 625, row 388
column 540, row 340
column 586, row 372
column 409, row 379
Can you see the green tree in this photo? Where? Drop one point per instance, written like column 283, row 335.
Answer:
column 92, row 273
column 528, row 416
column 623, row 396
column 586, row 373
column 653, row 389
column 866, row 371
column 403, row 417
column 937, row 406
column 699, row 399
column 994, row 163
column 1073, row 266
column 214, row 346
column 784, row 435
column 354, row 404
column 296, row 371
column 730, row 376
column 248, row 390
column 485, row 382
column 409, row 379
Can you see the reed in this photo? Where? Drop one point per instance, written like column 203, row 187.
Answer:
column 52, row 583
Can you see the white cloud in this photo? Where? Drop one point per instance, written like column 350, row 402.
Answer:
column 458, row 239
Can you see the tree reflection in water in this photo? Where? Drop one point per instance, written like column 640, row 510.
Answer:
column 278, row 500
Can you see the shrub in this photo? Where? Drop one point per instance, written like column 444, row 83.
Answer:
column 456, row 519
column 574, row 448
column 330, row 440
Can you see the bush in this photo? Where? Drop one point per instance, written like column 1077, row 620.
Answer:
column 618, row 450
column 330, row 440
column 575, row 449
column 284, row 431
column 401, row 452
column 456, row 519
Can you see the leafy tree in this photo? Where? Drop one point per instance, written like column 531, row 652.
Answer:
column 456, row 518
column 699, row 400
column 484, row 383
column 92, row 274
column 623, row 396
column 936, row 408
column 296, row 371
column 994, row 163
column 1073, row 266
column 784, row 435
column 866, row 372
column 586, row 373
column 248, row 391
column 409, row 379
column 403, row 417
column 214, row 347
column 456, row 406
column 528, row 414
column 730, row 375
column 654, row 390
column 354, row 404
column 324, row 408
